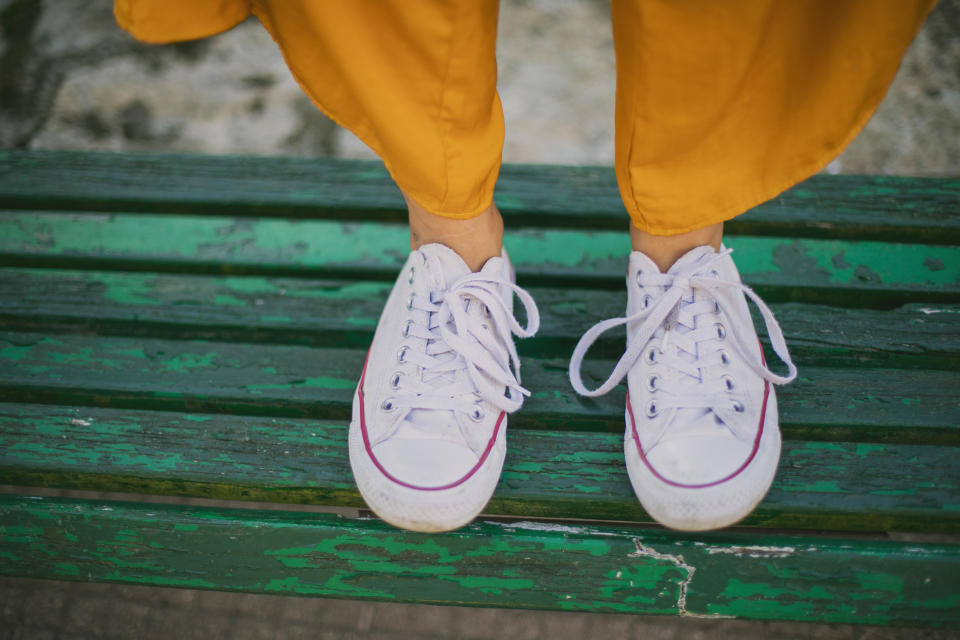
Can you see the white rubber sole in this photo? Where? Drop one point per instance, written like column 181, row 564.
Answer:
column 423, row 510
column 715, row 506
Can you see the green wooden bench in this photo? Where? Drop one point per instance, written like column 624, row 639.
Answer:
column 194, row 326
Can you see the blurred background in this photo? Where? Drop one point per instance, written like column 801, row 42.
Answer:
column 70, row 79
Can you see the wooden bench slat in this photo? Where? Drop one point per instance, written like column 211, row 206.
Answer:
column 551, row 474
column 344, row 313
column 843, row 273
column 192, row 326
column 289, row 380
column 505, row 564
column 854, row 207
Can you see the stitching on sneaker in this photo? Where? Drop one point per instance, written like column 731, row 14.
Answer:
column 753, row 451
column 388, row 475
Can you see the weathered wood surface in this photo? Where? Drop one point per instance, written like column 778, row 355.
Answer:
column 187, row 326
column 298, row 381
column 854, row 207
column 551, row 474
column 838, row 272
column 284, row 311
column 507, row 564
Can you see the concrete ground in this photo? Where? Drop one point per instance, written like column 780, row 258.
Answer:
column 41, row 610
column 69, row 79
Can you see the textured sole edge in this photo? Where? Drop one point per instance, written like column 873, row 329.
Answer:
column 417, row 510
column 659, row 499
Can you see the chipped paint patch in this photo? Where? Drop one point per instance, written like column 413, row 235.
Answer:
column 643, row 551
column 929, row 311
column 528, row 525
column 753, row 551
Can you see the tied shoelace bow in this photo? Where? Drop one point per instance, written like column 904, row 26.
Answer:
column 457, row 340
column 676, row 306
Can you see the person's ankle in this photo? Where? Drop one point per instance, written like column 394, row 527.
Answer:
column 475, row 239
column 665, row 250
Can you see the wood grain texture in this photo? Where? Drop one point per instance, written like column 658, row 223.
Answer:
column 508, row 564
column 549, row 474
column 867, row 405
column 852, row 207
column 256, row 309
column 839, row 272
column 194, row 326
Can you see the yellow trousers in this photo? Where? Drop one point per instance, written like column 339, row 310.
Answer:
column 720, row 105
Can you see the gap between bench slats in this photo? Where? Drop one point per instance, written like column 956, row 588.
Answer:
column 343, row 313
column 842, row 273
column 855, row 207
column 824, row 403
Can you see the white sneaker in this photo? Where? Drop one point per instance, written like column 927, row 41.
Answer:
column 428, row 434
column 702, row 439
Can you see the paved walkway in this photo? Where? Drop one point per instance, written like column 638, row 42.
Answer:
column 44, row 610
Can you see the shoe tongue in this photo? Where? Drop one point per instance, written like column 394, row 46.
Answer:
column 452, row 266
column 496, row 266
column 689, row 261
column 640, row 262
column 429, row 420
column 697, row 421
column 692, row 423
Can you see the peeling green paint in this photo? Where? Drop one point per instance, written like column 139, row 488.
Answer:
column 888, row 461
column 183, row 362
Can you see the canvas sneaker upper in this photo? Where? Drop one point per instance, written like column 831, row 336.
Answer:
column 702, row 439
column 428, row 431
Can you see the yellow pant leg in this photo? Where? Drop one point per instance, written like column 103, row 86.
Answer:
column 163, row 21
column 723, row 105
column 416, row 81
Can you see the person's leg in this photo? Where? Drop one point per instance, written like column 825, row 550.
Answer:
column 666, row 250
column 475, row 239
column 721, row 106
column 165, row 21
column 417, row 82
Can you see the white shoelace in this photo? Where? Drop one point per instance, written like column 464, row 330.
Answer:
column 457, row 340
column 683, row 299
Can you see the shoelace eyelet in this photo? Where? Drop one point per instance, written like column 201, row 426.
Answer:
column 388, row 405
column 728, row 382
column 477, row 414
column 652, row 410
column 652, row 383
column 402, row 354
column 639, row 273
column 651, row 356
column 721, row 332
column 738, row 407
column 410, row 303
column 724, row 359
column 406, row 328
column 647, row 299
column 395, row 381
column 410, row 278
